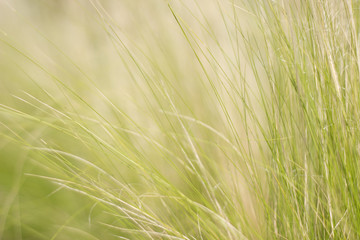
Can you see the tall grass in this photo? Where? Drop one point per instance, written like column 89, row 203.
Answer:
column 180, row 119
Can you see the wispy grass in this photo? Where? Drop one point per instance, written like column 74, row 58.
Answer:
column 182, row 120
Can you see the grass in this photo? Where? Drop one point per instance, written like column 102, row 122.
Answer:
column 179, row 119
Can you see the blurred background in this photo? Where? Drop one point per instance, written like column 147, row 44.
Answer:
column 69, row 63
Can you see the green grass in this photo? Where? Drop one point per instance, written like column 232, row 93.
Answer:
column 179, row 119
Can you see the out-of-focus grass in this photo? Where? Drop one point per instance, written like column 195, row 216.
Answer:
column 179, row 119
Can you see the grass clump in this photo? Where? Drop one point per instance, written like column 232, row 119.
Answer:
column 182, row 120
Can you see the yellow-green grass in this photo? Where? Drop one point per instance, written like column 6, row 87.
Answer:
column 181, row 119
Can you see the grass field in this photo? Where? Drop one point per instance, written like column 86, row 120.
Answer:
column 179, row 119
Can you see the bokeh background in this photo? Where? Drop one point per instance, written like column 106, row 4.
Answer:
column 77, row 63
